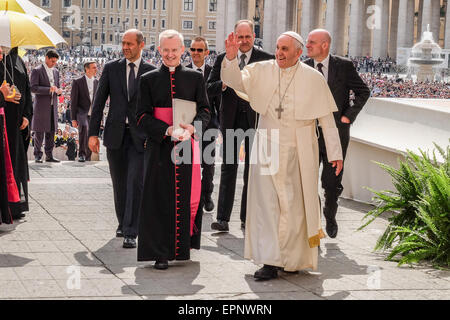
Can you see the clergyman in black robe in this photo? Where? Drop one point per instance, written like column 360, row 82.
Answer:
column 170, row 217
column 18, row 117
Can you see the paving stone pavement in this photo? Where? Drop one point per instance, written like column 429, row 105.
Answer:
column 66, row 248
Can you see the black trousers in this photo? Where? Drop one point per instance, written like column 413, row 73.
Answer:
column 331, row 183
column 126, row 166
column 83, row 141
column 228, row 174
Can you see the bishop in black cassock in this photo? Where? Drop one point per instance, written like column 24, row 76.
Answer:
column 170, row 218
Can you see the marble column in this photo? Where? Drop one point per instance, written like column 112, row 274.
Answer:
column 405, row 32
column 426, row 17
column 381, row 30
column 356, row 27
column 394, row 29
column 447, row 27
column 231, row 11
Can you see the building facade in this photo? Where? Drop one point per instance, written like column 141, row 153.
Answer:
column 100, row 23
column 359, row 27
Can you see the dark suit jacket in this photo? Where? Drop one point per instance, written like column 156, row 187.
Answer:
column 80, row 100
column 113, row 84
column 343, row 77
column 40, row 86
column 214, row 101
column 230, row 100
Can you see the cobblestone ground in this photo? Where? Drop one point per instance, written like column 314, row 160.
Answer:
column 70, row 232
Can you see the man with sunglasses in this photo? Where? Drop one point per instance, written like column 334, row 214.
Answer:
column 235, row 114
column 199, row 53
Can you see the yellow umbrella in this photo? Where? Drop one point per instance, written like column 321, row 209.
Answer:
column 21, row 30
column 23, row 6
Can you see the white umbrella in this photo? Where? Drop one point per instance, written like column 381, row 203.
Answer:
column 25, row 31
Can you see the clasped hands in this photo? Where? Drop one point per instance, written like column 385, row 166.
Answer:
column 183, row 133
column 56, row 90
column 8, row 91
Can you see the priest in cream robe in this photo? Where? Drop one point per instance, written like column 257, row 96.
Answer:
column 283, row 226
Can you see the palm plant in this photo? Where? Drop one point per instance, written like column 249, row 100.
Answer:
column 419, row 228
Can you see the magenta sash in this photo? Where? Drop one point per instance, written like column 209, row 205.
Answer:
column 13, row 192
column 166, row 115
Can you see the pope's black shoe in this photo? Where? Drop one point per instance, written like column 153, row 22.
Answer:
column 161, row 264
column 220, row 225
column 332, row 227
column 266, row 273
column 129, row 243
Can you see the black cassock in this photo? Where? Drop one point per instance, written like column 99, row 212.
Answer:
column 165, row 217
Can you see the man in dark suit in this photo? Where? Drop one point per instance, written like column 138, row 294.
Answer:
column 124, row 144
column 82, row 97
column 44, row 82
column 235, row 113
column 199, row 52
column 342, row 79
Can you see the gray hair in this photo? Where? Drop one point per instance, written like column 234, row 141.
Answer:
column 169, row 34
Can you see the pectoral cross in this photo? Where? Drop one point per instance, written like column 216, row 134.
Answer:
column 279, row 110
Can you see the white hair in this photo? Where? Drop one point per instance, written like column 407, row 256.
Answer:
column 169, row 34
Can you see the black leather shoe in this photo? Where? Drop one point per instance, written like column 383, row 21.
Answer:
column 266, row 273
column 38, row 159
column 81, row 159
column 161, row 265
column 129, row 243
column 220, row 225
column 119, row 233
column 52, row 160
column 209, row 204
column 332, row 227
column 243, row 225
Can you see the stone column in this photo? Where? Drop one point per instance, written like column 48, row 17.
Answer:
column 447, row 27
column 277, row 19
column 426, row 17
column 381, row 31
column 230, row 13
column 335, row 17
column 394, row 29
column 405, row 33
column 367, row 31
column 356, row 28
column 310, row 17
column 435, row 24
column 419, row 20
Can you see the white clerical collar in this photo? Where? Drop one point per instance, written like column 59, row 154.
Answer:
column 325, row 62
column 171, row 69
column 290, row 68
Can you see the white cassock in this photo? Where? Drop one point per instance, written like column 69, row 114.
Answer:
column 283, row 226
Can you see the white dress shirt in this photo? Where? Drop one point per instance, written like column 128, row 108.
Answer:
column 49, row 74
column 325, row 67
column 201, row 68
column 90, row 85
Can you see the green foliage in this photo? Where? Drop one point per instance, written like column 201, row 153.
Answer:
column 419, row 227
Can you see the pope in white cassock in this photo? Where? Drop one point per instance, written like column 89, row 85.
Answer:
column 283, row 227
